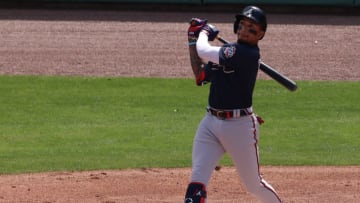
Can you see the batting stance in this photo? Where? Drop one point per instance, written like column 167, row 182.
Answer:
column 230, row 124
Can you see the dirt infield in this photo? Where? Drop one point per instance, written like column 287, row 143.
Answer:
column 146, row 44
column 113, row 43
column 294, row 184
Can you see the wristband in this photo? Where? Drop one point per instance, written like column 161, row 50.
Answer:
column 192, row 43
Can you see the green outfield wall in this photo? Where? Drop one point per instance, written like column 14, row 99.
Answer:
column 285, row 2
column 208, row 2
column 125, row 1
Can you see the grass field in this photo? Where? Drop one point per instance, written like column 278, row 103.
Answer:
column 76, row 123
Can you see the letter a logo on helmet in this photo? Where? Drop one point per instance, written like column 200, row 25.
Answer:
column 254, row 13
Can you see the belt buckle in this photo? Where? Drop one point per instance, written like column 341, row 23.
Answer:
column 218, row 113
column 221, row 115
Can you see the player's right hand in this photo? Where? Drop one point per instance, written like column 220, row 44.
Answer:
column 211, row 31
column 196, row 25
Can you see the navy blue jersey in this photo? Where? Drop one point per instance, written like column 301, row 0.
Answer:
column 233, row 80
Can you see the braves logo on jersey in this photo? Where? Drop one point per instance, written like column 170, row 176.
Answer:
column 229, row 52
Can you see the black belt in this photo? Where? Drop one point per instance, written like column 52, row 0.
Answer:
column 226, row 114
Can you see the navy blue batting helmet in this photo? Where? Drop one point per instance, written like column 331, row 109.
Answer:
column 254, row 13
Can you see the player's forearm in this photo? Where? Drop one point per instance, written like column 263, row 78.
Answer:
column 194, row 60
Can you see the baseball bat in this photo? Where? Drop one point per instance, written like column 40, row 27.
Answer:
column 270, row 71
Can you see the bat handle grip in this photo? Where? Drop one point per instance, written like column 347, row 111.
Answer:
column 218, row 37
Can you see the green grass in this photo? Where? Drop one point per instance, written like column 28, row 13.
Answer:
column 316, row 125
column 73, row 123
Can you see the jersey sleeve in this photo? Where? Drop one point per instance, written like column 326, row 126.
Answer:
column 235, row 56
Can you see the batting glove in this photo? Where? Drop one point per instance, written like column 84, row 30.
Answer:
column 211, row 31
column 196, row 24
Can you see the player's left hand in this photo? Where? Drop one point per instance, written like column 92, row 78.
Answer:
column 211, row 31
column 196, row 24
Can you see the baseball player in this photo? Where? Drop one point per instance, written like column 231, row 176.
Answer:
column 230, row 124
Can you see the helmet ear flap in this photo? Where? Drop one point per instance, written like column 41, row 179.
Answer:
column 236, row 24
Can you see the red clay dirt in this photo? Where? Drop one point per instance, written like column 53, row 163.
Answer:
column 149, row 44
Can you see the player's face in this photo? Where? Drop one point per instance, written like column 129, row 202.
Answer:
column 249, row 31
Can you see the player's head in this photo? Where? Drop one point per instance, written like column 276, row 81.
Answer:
column 250, row 25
